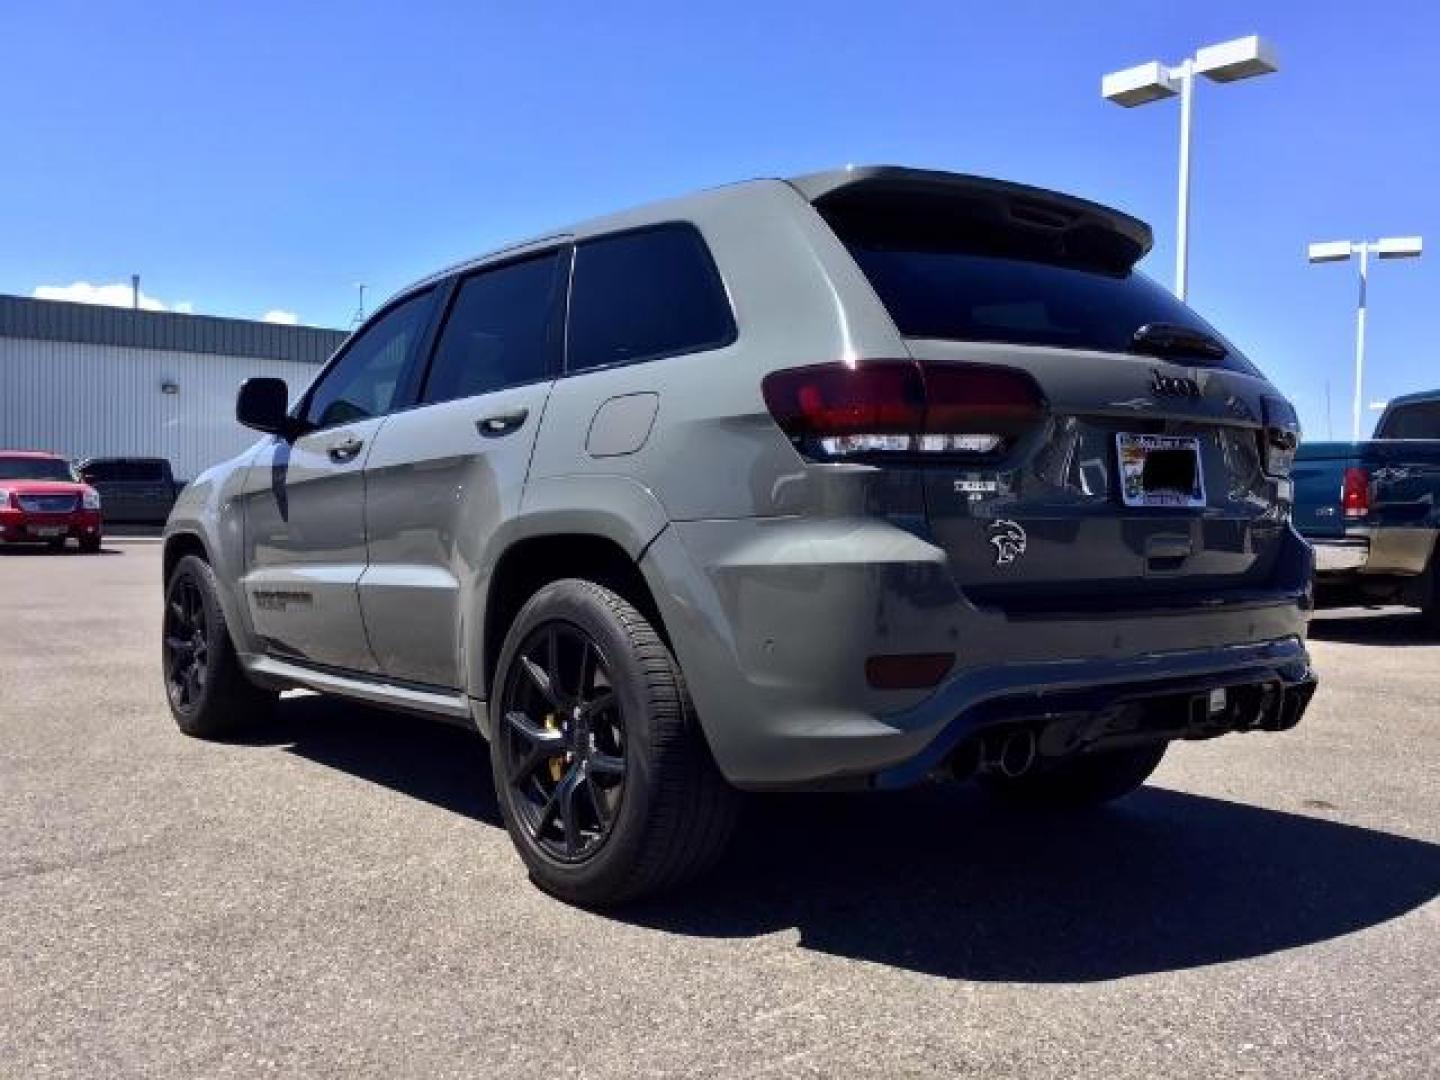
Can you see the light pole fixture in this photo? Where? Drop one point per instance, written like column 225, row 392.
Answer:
column 1394, row 247
column 1229, row 61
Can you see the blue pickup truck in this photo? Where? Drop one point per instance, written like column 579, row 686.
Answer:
column 1371, row 509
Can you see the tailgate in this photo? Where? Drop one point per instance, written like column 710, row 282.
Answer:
column 1049, row 528
column 1319, row 479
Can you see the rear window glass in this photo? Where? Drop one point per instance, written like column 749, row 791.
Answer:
column 135, row 472
column 1418, row 421
column 941, row 284
column 645, row 294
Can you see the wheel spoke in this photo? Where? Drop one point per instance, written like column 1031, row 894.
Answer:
column 544, row 744
column 547, row 815
column 597, row 800
column 180, row 645
column 588, row 666
column 607, row 765
column 541, row 678
column 560, row 807
column 569, row 820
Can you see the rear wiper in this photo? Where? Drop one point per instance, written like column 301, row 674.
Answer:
column 1171, row 339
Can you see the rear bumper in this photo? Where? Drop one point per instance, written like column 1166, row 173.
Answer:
column 1340, row 556
column 25, row 527
column 773, row 621
column 1377, row 549
column 1265, row 688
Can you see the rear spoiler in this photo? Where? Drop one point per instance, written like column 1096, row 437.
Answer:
column 883, row 203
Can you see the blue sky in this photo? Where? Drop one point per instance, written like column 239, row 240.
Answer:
column 259, row 157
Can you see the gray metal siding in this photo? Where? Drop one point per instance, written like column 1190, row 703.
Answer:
column 88, row 400
column 59, row 320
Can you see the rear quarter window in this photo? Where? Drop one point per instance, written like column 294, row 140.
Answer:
column 645, row 294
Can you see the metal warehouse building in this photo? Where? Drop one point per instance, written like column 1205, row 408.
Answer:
column 87, row 381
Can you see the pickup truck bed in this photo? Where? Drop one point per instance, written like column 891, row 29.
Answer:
column 1371, row 509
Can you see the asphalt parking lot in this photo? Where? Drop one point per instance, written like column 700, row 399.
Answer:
column 334, row 895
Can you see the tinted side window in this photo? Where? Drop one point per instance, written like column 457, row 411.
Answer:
column 501, row 331
column 101, row 470
column 363, row 382
column 1418, row 421
column 644, row 294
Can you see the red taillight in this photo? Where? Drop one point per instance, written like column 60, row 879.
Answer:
column 1355, row 493
column 883, row 397
column 901, row 405
column 967, row 399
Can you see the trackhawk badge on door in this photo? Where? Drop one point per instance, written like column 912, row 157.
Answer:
column 1008, row 539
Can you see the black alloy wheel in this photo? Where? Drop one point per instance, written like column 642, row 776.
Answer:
column 186, row 644
column 563, row 741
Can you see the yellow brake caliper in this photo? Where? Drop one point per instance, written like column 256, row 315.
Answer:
column 557, row 764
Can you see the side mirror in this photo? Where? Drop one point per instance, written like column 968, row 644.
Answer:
column 264, row 404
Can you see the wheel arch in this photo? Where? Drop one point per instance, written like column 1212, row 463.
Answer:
column 177, row 546
column 528, row 564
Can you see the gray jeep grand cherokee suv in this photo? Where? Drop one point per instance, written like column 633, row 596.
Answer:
column 849, row 481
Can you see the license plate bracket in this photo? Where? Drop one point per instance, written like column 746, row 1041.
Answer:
column 1160, row 470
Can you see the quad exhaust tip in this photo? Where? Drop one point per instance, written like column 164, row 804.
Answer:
column 1011, row 753
column 1016, row 753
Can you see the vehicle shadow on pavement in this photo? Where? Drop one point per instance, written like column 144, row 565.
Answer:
column 1391, row 627
column 939, row 881
column 439, row 764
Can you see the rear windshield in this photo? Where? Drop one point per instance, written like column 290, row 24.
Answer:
column 940, row 284
column 135, row 472
column 35, row 468
column 1418, row 421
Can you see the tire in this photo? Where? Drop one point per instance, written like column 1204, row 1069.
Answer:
column 1081, row 781
column 208, row 692
column 1430, row 610
column 90, row 545
column 556, row 743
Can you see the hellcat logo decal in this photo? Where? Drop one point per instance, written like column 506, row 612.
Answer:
column 1008, row 539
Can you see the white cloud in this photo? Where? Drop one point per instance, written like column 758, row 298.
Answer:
column 82, row 292
column 119, row 295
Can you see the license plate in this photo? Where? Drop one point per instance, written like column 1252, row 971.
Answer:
column 48, row 530
column 1160, row 470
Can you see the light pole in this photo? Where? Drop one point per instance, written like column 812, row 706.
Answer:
column 1229, row 61
column 1394, row 247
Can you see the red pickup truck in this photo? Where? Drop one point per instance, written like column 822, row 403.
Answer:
column 42, row 502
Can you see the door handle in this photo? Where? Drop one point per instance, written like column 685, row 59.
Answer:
column 502, row 423
column 346, row 449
